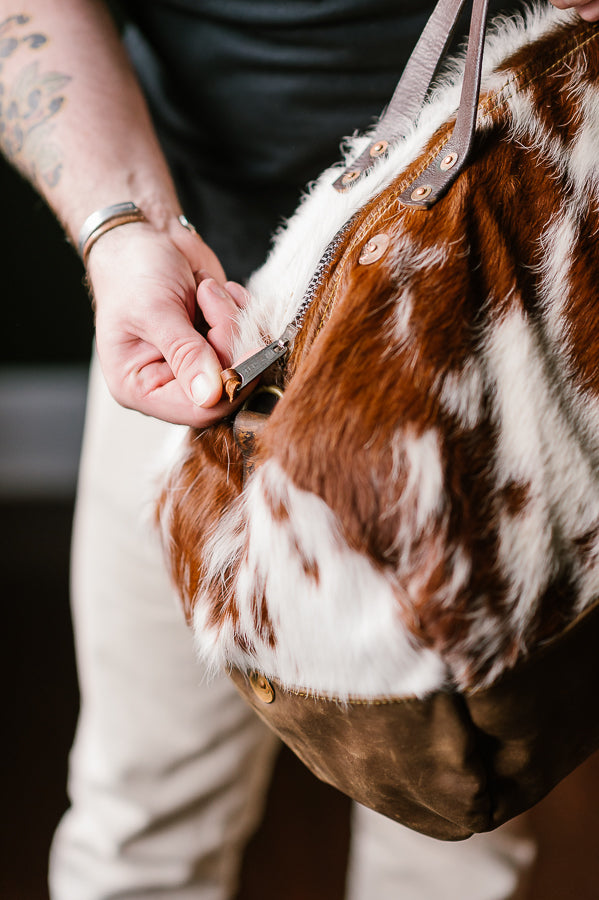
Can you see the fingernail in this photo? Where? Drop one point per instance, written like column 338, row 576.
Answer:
column 217, row 290
column 244, row 293
column 201, row 388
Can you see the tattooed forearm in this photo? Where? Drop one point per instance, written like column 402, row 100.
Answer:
column 28, row 103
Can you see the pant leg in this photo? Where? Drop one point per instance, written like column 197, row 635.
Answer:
column 391, row 862
column 168, row 771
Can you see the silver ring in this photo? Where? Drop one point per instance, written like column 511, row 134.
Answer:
column 184, row 221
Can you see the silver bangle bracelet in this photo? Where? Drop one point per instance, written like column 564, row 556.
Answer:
column 103, row 220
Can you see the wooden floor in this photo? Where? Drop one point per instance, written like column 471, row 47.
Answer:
column 303, row 817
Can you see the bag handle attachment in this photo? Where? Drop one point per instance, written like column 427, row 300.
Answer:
column 401, row 113
column 409, row 97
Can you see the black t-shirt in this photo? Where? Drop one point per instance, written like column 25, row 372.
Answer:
column 251, row 99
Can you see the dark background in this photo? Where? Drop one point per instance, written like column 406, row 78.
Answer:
column 45, row 316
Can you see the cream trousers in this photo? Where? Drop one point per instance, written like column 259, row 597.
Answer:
column 168, row 772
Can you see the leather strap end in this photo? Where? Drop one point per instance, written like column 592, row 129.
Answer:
column 231, row 383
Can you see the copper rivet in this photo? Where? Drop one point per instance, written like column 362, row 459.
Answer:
column 379, row 148
column 420, row 193
column 262, row 687
column 374, row 249
column 350, row 176
column 448, row 162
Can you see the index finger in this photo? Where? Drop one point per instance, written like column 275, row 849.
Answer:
column 161, row 396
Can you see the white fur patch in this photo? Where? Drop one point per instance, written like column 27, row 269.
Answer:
column 461, row 394
column 340, row 632
column 538, row 448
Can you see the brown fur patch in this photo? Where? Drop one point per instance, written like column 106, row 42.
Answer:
column 361, row 390
column 206, row 483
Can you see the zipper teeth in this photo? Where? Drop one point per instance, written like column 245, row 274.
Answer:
column 319, row 274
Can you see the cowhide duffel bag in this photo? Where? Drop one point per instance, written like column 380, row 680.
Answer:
column 405, row 582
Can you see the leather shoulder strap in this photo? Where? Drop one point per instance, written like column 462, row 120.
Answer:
column 409, row 97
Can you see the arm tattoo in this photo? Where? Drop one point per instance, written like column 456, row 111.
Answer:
column 28, row 104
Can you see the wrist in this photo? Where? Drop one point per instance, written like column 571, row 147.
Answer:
column 108, row 218
column 151, row 192
column 166, row 224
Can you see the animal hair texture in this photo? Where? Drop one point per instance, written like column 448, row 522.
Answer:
column 425, row 508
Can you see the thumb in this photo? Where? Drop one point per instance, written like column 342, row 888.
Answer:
column 192, row 361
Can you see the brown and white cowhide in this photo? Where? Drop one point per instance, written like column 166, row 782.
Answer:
column 425, row 510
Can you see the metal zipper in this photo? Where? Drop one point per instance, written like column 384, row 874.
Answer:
column 238, row 377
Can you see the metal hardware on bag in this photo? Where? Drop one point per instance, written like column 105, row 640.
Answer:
column 448, row 161
column 250, row 421
column 422, row 192
column 271, row 389
column 261, row 687
column 349, row 177
column 238, row 377
column 374, row 249
column 379, row 148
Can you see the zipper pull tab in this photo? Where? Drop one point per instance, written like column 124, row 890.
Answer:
column 235, row 379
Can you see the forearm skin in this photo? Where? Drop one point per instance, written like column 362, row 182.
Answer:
column 73, row 119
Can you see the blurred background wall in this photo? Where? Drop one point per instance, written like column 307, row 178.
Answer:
column 46, row 339
column 46, row 328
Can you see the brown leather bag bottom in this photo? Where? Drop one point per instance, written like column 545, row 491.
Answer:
column 452, row 764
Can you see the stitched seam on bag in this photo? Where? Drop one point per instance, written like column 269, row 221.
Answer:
column 364, row 228
column 486, row 108
column 351, row 701
column 538, row 653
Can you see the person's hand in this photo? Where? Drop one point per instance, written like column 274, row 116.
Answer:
column 587, row 9
column 148, row 288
